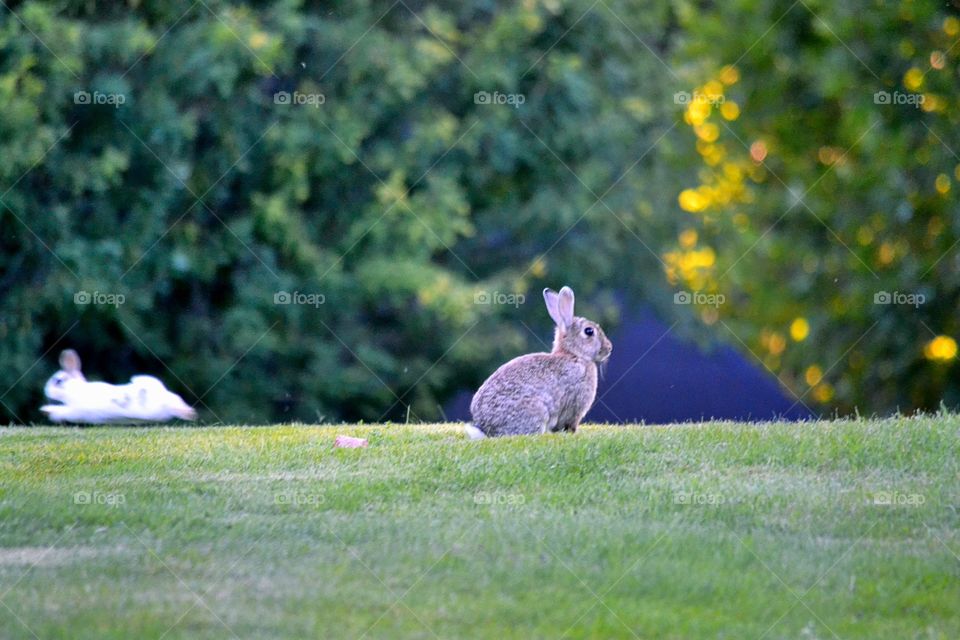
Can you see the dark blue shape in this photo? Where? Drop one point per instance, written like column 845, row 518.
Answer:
column 657, row 378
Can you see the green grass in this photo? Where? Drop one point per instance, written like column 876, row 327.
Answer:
column 716, row 530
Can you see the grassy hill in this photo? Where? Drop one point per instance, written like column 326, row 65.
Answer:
column 717, row 530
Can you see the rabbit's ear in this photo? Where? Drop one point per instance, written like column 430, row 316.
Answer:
column 70, row 361
column 565, row 306
column 552, row 301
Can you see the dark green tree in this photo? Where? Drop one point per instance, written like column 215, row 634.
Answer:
column 303, row 206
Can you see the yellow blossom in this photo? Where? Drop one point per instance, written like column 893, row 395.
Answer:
column 733, row 172
column 729, row 74
column 697, row 112
column 913, row 79
column 730, row 110
column 799, row 329
column 713, row 89
column 715, row 155
column 813, row 375
column 688, row 238
column 539, row 268
column 830, row 155
column 823, row 392
column 941, row 348
column 886, row 253
column 931, row 103
column 776, row 344
column 942, row 183
column 692, row 201
column 708, row 132
column 951, row 25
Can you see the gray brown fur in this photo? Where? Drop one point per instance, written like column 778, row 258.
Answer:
column 544, row 392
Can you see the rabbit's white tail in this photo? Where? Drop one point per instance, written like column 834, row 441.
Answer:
column 473, row 433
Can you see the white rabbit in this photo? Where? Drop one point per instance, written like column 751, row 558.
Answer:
column 143, row 399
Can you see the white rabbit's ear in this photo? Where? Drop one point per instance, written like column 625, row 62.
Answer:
column 565, row 306
column 552, row 301
column 70, row 361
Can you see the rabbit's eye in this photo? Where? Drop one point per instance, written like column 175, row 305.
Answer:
column 588, row 331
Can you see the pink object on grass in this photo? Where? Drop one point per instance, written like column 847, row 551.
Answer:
column 349, row 442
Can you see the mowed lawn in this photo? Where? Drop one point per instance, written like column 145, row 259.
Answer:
column 844, row 529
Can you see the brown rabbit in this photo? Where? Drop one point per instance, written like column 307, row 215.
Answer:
column 542, row 392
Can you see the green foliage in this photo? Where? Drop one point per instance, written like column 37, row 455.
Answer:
column 397, row 199
column 846, row 197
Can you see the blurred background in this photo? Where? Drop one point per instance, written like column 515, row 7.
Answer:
column 347, row 211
